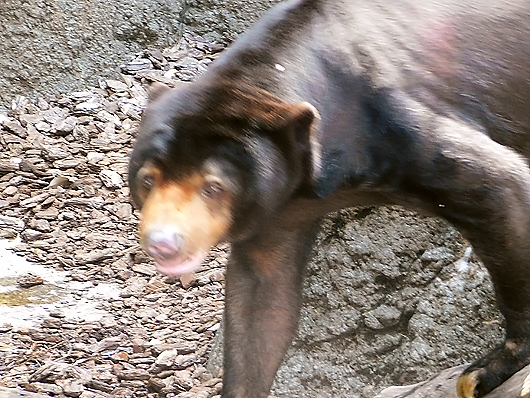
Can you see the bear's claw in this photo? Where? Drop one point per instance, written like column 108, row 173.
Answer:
column 467, row 383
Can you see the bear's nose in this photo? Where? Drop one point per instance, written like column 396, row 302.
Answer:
column 164, row 243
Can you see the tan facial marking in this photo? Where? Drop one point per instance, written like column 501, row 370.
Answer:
column 201, row 220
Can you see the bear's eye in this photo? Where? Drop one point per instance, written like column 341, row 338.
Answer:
column 148, row 182
column 212, row 189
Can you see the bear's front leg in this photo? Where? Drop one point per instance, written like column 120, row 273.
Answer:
column 263, row 299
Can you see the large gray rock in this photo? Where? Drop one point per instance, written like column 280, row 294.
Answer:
column 60, row 46
column 19, row 393
column 222, row 20
column 390, row 299
column 51, row 47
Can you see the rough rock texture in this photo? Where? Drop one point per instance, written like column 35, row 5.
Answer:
column 390, row 298
column 51, row 47
column 222, row 20
column 60, row 46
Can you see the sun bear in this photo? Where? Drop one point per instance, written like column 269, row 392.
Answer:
column 326, row 104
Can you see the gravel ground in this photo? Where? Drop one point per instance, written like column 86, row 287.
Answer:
column 63, row 168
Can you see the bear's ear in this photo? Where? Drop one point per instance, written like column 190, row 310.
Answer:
column 304, row 119
column 156, row 90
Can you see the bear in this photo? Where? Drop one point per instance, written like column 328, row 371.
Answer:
column 328, row 104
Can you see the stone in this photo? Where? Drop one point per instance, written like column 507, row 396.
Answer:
column 71, row 387
column 111, row 179
column 55, row 114
column 87, row 106
column 10, row 191
column 11, row 222
column 167, row 358
column 49, row 214
column 105, row 344
column 46, row 388
column 382, row 317
column 11, row 164
column 35, row 200
column 19, row 393
column 105, row 116
column 116, row 85
column 43, row 126
column 52, row 152
column 188, row 280
column 124, row 211
column 134, row 374
column 137, row 65
column 65, row 126
column 15, row 127
column 68, row 163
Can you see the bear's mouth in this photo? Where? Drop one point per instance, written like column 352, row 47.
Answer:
column 178, row 266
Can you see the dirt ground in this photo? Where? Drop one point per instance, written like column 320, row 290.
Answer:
column 63, row 195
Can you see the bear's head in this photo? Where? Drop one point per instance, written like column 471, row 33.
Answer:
column 213, row 162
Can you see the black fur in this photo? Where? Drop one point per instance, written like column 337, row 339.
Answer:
column 415, row 103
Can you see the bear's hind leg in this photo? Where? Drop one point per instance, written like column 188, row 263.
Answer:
column 483, row 188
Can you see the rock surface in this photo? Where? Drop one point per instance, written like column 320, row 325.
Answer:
column 222, row 20
column 390, row 298
column 61, row 46
column 19, row 393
